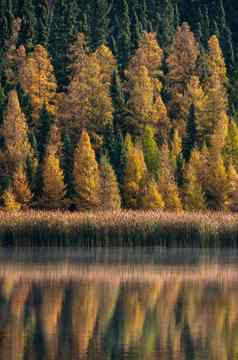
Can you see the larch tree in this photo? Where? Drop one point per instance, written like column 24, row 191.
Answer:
column 150, row 198
column 87, row 103
column 86, row 175
column 194, row 197
column 21, row 187
column 182, row 62
column 110, row 193
column 232, row 176
column 37, row 79
column 230, row 151
column 107, row 64
column 143, row 75
column 9, row 200
column 134, row 174
column 53, row 190
column 15, row 131
column 167, row 184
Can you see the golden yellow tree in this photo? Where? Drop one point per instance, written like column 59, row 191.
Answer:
column 36, row 76
column 230, row 151
column 9, row 200
column 110, row 193
column 151, row 198
column 54, row 191
column 21, row 187
column 107, row 63
column 194, row 195
column 86, row 175
column 87, row 103
column 145, row 105
column 232, row 176
column 15, row 132
column 182, row 62
column 167, row 184
column 134, row 174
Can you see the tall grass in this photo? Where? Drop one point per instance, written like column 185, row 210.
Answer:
column 125, row 228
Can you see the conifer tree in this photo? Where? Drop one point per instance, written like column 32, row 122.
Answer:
column 151, row 150
column 42, row 12
column 15, row 133
column 21, row 187
column 194, row 196
column 189, row 141
column 38, row 81
column 182, row 63
column 134, row 174
column 167, row 184
column 230, row 151
column 53, row 191
column 88, row 103
column 123, row 33
column 100, row 22
column 28, row 29
column 151, row 198
column 176, row 149
column 232, row 176
column 86, row 175
column 110, row 194
column 107, row 64
column 9, row 201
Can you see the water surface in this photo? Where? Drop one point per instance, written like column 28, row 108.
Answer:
column 118, row 304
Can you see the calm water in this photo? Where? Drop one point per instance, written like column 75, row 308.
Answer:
column 118, row 304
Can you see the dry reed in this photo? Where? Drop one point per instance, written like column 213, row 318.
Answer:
column 124, row 228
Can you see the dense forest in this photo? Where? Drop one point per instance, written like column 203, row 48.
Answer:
column 119, row 104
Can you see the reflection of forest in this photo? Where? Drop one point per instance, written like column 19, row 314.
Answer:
column 101, row 320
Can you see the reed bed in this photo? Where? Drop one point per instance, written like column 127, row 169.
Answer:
column 124, row 228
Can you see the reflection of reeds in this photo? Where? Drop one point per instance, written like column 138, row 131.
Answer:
column 118, row 229
column 118, row 274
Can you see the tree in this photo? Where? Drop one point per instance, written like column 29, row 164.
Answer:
column 21, row 187
column 194, row 195
column 9, row 201
column 53, row 192
column 42, row 18
column 232, row 176
column 167, row 185
column 110, row 194
column 38, row 81
column 88, row 103
column 100, row 22
column 151, row 150
column 123, row 33
column 15, row 133
column 134, row 174
column 182, row 63
column 107, row 64
column 230, row 151
column 86, row 175
column 28, row 30
column 151, row 198
column 189, row 141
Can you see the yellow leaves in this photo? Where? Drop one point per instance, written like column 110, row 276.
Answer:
column 15, row 133
column 9, row 201
column 151, row 198
column 21, row 187
column 107, row 63
column 53, row 196
column 38, row 81
column 86, row 175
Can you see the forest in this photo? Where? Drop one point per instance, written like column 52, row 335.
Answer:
column 119, row 104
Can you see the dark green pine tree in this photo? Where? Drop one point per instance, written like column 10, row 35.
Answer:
column 27, row 34
column 118, row 98
column 168, row 25
column 136, row 31
column 206, row 26
column 6, row 17
column 189, row 141
column 123, row 33
column 25, row 103
column 100, row 22
column 42, row 17
column 62, row 32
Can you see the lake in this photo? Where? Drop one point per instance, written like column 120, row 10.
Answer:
column 123, row 303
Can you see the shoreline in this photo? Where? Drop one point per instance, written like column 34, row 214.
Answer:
column 115, row 229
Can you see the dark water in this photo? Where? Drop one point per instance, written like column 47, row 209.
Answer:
column 118, row 304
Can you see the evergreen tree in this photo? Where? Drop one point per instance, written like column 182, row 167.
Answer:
column 86, row 175
column 42, row 17
column 100, row 22
column 123, row 33
column 110, row 194
column 190, row 138
column 28, row 29
column 194, row 196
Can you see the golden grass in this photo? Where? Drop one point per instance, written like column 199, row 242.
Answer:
column 124, row 228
